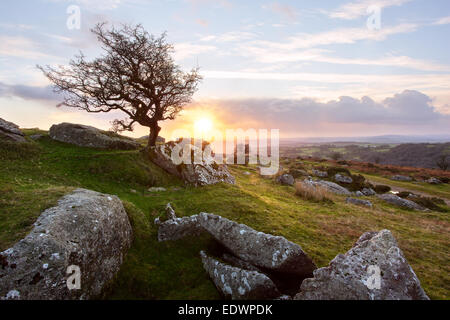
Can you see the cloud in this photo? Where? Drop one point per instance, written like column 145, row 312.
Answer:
column 232, row 36
column 357, row 9
column 409, row 109
column 29, row 92
column 21, row 47
column 442, row 21
column 185, row 49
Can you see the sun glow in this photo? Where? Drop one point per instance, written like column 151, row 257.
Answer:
column 202, row 127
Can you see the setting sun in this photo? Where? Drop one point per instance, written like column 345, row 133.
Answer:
column 203, row 126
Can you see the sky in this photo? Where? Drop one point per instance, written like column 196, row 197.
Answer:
column 308, row 68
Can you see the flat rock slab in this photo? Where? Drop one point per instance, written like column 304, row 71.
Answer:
column 237, row 283
column 10, row 132
column 359, row 202
column 374, row 269
column 87, row 136
column 400, row 202
column 86, row 229
column 330, row 186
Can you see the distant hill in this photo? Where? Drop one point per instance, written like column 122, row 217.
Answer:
column 372, row 139
column 423, row 155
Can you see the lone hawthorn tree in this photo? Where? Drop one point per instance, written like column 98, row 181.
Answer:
column 136, row 75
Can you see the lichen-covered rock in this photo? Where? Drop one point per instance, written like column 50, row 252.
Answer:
column 400, row 202
column 374, row 269
column 198, row 174
column 87, row 136
column 263, row 250
column 330, row 186
column 86, row 229
column 175, row 228
column 259, row 249
column 359, row 202
column 10, row 132
column 286, row 179
column 237, row 283
column 342, row 178
column 368, row 192
column 433, row 180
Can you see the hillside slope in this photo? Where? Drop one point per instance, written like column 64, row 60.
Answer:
column 34, row 176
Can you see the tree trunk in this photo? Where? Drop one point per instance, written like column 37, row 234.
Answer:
column 154, row 132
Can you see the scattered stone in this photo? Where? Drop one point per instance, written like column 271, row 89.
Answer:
column 10, row 132
column 342, row 178
column 320, row 174
column 237, row 283
column 374, row 269
column 359, row 194
column 359, row 202
column 204, row 173
column 330, row 186
column 368, row 192
column 401, row 178
column 433, row 180
column 86, row 229
column 87, row 136
column 133, row 191
column 286, row 179
column 400, row 202
column 157, row 189
column 246, row 173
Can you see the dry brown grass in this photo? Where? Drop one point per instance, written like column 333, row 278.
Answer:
column 312, row 193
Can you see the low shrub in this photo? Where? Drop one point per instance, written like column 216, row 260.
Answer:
column 380, row 188
column 428, row 203
column 19, row 151
column 333, row 170
column 312, row 193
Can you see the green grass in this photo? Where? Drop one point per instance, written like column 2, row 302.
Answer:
column 31, row 182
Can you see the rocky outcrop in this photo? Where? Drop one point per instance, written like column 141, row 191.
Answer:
column 374, row 269
column 198, row 174
column 433, row 180
column 330, row 186
column 400, row 202
column 262, row 250
column 88, row 230
column 10, row 132
column 401, row 178
column 286, row 179
column 342, row 178
column 359, row 202
column 87, row 136
column 237, row 283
